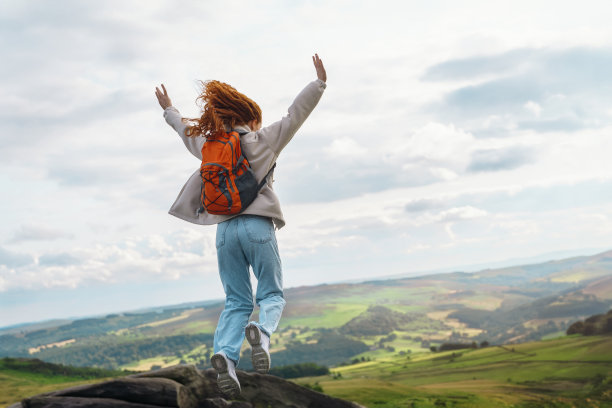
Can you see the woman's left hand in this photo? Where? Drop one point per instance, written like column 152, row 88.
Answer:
column 318, row 63
column 162, row 97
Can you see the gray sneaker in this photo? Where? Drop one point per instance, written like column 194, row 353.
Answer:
column 226, row 374
column 260, row 346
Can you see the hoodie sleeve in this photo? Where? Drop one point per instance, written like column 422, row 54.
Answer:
column 279, row 134
column 194, row 144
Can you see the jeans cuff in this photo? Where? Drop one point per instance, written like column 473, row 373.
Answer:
column 260, row 328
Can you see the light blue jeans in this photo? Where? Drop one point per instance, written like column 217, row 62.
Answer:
column 243, row 241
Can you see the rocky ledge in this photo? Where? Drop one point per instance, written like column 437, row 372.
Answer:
column 184, row 386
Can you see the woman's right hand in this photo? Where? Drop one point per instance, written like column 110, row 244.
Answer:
column 318, row 63
column 162, row 97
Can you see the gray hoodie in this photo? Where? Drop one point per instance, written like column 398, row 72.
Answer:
column 261, row 148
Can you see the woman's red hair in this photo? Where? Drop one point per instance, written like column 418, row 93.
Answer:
column 222, row 105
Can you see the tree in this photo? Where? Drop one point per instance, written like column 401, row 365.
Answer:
column 575, row 328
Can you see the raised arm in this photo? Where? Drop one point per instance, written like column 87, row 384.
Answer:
column 280, row 133
column 173, row 118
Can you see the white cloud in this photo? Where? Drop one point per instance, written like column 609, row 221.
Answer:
column 460, row 213
column 434, row 144
column 517, row 227
column 29, row 232
column 534, row 108
column 345, row 147
column 183, row 253
column 537, row 76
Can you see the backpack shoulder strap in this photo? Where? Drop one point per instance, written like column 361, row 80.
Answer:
column 265, row 179
column 240, row 134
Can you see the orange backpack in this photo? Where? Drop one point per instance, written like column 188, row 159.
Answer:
column 228, row 181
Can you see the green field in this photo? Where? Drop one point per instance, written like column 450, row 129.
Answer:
column 572, row 371
column 333, row 315
column 563, row 372
column 21, row 379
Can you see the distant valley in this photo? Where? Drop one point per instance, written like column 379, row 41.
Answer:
column 338, row 323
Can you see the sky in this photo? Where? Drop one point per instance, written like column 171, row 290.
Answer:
column 451, row 135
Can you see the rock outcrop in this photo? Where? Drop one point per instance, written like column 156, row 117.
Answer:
column 184, row 386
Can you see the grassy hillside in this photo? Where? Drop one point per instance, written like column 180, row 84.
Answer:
column 564, row 372
column 507, row 305
column 21, row 378
column 573, row 371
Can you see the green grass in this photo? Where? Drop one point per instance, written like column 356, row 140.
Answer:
column 555, row 372
column 21, row 379
column 147, row 363
column 333, row 315
column 561, row 372
column 15, row 386
column 204, row 326
column 554, row 335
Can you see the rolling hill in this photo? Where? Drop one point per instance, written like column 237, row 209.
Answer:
column 572, row 371
column 379, row 317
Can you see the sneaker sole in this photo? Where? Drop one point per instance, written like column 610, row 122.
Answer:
column 227, row 385
column 259, row 357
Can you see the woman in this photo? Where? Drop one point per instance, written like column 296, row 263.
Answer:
column 247, row 239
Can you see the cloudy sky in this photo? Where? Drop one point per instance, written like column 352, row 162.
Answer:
column 451, row 135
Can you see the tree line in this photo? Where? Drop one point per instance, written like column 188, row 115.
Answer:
column 111, row 354
column 18, row 344
column 594, row 325
column 299, row 370
column 330, row 349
